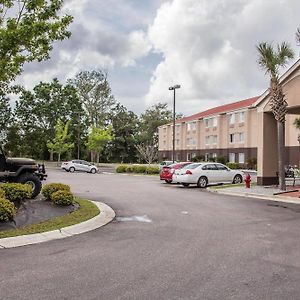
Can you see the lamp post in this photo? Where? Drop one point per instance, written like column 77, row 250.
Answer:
column 173, row 88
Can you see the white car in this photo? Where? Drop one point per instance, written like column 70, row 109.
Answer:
column 203, row 174
column 79, row 165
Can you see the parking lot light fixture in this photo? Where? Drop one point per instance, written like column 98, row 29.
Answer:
column 173, row 88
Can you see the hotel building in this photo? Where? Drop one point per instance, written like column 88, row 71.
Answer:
column 238, row 131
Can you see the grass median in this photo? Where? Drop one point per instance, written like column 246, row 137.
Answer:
column 86, row 211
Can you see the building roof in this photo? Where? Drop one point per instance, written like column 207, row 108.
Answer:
column 220, row 109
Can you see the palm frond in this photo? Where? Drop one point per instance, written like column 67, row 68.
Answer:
column 284, row 54
column 267, row 58
column 298, row 36
column 297, row 123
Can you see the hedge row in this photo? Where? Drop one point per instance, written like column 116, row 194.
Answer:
column 140, row 169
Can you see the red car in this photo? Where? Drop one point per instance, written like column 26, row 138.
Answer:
column 167, row 172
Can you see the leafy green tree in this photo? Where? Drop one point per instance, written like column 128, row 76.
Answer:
column 97, row 140
column 61, row 142
column 271, row 60
column 27, row 30
column 125, row 128
column 95, row 95
column 5, row 117
column 37, row 112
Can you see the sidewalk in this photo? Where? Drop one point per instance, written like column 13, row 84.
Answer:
column 272, row 193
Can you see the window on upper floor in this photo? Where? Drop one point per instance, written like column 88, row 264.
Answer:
column 231, row 118
column 177, row 142
column 241, row 137
column 164, row 130
column 191, row 126
column 242, row 117
column 215, row 122
column 231, row 138
column 206, row 122
column 207, row 140
column 215, row 139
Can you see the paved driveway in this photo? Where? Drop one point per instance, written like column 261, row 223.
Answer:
column 182, row 244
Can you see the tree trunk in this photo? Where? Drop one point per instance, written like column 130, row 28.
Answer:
column 281, row 156
column 51, row 155
column 58, row 157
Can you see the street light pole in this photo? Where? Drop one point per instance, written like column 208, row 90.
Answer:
column 173, row 88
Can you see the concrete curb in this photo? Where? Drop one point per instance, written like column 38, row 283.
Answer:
column 106, row 215
column 276, row 198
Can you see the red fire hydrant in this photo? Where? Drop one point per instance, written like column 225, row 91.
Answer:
column 247, row 180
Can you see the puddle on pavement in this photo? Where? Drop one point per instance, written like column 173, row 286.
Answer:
column 143, row 219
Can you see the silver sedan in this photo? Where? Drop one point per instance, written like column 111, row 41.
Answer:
column 203, row 174
column 79, row 165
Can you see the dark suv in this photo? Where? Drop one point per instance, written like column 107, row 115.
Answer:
column 22, row 170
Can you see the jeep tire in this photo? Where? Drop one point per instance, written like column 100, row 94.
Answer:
column 32, row 180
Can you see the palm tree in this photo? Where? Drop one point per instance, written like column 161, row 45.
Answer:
column 271, row 60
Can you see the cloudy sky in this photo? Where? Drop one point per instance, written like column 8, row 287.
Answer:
column 206, row 46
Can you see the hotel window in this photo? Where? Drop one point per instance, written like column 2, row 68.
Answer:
column 214, row 155
column 194, row 155
column 241, row 158
column 242, row 117
column 191, row 126
column 215, row 139
column 232, row 157
column 165, row 143
column 206, row 122
column 231, row 138
column 242, row 137
column 177, row 142
column 206, row 157
column 207, row 140
column 177, row 129
column 215, row 122
column 164, row 130
column 232, row 118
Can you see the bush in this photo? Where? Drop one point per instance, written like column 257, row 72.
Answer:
column 51, row 188
column 61, row 197
column 129, row 169
column 140, row 169
column 252, row 163
column 233, row 166
column 7, row 210
column 2, row 193
column 198, row 158
column 121, row 168
column 152, row 170
column 221, row 160
column 16, row 192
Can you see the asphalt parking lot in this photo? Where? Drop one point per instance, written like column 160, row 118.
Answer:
column 167, row 242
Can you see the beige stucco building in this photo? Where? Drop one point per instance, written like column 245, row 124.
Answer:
column 238, row 131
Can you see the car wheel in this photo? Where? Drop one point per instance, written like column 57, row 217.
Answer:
column 185, row 184
column 93, row 171
column 33, row 181
column 71, row 169
column 202, row 182
column 237, row 179
column 168, row 181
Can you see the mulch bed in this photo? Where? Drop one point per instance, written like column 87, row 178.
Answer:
column 36, row 211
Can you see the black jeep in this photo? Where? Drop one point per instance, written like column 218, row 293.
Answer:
column 22, row 170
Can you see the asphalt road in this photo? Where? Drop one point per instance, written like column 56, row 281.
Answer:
column 182, row 244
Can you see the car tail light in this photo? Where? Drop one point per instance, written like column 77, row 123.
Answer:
column 188, row 172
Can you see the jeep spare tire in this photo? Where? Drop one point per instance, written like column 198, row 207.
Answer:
column 33, row 181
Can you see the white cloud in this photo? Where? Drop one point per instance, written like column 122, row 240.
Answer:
column 209, row 48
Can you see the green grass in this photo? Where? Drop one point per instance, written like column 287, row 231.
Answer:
column 224, row 186
column 86, row 211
